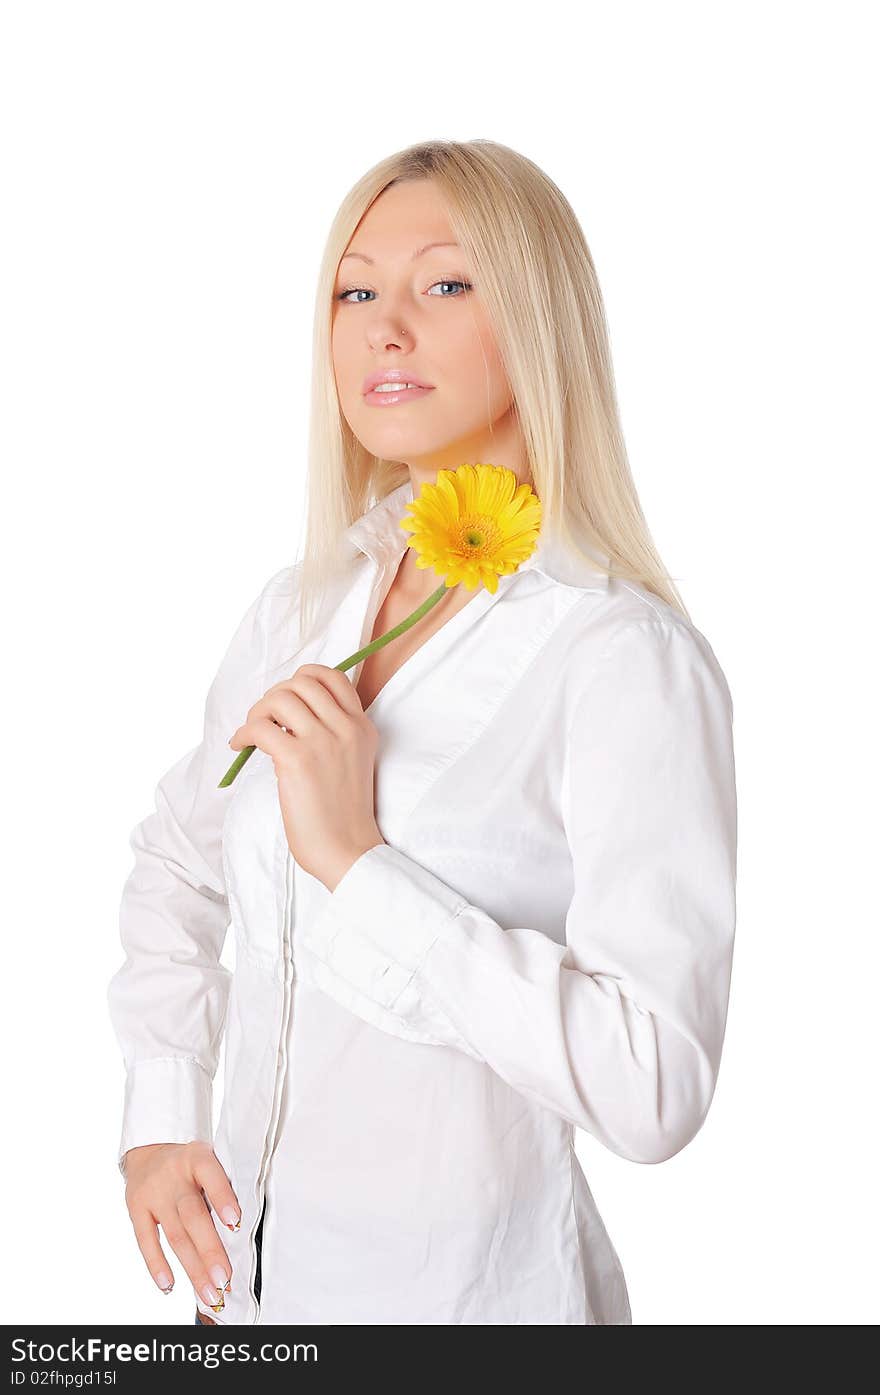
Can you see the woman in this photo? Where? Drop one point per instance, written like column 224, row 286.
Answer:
column 482, row 885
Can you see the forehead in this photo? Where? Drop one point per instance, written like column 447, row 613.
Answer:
column 405, row 221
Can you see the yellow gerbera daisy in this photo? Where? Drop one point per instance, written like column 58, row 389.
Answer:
column 475, row 524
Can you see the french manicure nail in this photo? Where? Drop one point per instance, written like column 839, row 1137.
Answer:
column 218, row 1274
column 210, row 1296
column 230, row 1217
column 164, row 1280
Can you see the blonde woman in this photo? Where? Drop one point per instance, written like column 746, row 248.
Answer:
column 481, row 885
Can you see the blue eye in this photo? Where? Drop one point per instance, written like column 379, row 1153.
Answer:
column 451, row 281
column 447, row 281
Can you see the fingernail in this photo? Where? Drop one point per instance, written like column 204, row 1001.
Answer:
column 164, row 1280
column 230, row 1217
column 210, row 1297
column 218, row 1274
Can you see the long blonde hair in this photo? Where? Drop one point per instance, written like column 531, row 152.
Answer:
column 518, row 228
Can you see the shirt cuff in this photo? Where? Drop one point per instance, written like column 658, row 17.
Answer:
column 167, row 1100
column 380, row 921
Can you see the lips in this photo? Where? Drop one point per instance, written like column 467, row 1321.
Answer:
column 393, row 394
column 393, row 375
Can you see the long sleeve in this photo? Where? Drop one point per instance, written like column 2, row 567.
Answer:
column 619, row 1029
column 168, row 1000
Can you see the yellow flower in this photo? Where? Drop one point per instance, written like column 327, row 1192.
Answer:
column 474, row 525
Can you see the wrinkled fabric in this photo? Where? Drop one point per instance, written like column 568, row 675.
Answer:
column 542, row 944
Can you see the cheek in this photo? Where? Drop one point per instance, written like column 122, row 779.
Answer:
column 337, row 352
column 346, row 366
column 342, row 347
column 477, row 369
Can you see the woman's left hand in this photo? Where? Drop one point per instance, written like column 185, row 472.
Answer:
column 324, row 763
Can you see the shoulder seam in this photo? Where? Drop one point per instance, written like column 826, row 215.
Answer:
column 646, row 600
column 282, row 579
column 656, row 621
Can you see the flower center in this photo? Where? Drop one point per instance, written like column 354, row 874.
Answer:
column 478, row 536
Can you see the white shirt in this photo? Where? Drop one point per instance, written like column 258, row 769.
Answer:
column 544, row 944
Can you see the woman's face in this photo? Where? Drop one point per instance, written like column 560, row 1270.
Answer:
column 422, row 317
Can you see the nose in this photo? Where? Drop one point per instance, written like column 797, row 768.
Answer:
column 385, row 338
column 390, row 331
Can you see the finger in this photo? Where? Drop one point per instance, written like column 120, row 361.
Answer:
column 307, row 706
column 337, row 683
column 178, row 1237
column 146, row 1233
column 264, row 733
column 216, row 1268
column 218, row 1191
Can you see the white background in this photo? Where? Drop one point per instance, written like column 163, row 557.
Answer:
column 169, row 172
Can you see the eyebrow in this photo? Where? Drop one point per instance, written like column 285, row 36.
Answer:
column 420, row 251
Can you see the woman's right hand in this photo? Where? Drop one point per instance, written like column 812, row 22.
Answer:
column 175, row 1185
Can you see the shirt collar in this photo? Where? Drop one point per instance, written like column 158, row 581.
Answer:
column 377, row 534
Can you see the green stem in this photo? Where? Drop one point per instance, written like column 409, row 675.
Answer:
column 246, row 753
